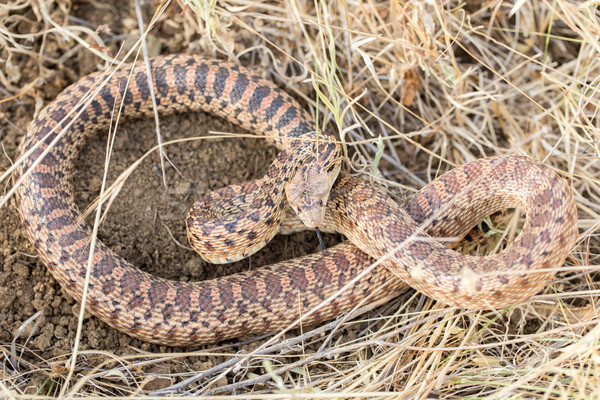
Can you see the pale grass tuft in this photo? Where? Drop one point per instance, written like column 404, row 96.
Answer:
column 413, row 88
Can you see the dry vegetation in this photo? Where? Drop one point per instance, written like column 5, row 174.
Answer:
column 413, row 88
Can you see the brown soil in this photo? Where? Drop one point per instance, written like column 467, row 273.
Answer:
column 145, row 224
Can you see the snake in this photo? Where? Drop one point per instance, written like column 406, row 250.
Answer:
column 410, row 240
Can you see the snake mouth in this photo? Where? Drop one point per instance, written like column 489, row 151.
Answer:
column 312, row 216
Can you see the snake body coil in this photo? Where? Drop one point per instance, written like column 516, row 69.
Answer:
column 270, row 298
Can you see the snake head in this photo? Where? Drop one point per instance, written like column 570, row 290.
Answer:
column 308, row 191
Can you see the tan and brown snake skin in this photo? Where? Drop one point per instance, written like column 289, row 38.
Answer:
column 270, row 298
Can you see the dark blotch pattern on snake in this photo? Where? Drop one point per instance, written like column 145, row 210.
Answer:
column 270, row 298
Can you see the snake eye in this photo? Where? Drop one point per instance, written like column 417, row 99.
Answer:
column 320, row 203
column 298, row 210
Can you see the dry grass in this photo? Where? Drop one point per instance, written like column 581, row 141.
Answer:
column 413, row 88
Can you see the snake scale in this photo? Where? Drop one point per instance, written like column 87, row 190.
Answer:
column 270, row 298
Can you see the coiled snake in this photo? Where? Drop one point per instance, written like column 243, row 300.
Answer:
column 270, row 298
